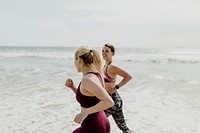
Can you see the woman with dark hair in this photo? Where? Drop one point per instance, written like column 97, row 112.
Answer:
column 111, row 71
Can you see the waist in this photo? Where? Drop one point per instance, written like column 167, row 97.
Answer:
column 112, row 93
column 109, row 80
column 95, row 117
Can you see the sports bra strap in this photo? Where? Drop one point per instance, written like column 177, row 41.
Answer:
column 99, row 77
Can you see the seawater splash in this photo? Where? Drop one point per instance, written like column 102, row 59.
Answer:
column 122, row 54
column 163, row 95
column 160, row 55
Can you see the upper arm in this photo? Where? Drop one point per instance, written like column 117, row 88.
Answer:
column 118, row 71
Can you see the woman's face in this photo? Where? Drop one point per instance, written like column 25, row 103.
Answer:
column 106, row 53
column 77, row 63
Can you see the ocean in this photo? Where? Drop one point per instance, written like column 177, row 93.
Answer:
column 162, row 97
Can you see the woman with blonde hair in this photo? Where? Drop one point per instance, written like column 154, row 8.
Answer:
column 90, row 93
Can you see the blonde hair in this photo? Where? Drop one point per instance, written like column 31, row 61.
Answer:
column 89, row 57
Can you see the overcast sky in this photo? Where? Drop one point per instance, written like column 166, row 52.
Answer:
column 125, row 23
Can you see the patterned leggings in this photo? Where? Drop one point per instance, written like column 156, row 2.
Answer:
column 117, row 113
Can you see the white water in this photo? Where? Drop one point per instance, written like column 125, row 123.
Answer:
column 162, row 97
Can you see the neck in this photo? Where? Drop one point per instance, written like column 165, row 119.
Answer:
column 108, row 62
column 88, row 69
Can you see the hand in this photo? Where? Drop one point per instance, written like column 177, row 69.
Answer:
column 80, row 117
column 111, row 90
column 69, row 83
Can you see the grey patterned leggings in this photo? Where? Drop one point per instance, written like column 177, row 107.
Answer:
column 117, row 113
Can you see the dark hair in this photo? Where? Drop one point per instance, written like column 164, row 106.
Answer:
column 112, row 48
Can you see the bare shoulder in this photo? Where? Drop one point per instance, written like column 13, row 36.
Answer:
column 91, row 86
column 89, row 80
column 117, row 70
column 114, row 68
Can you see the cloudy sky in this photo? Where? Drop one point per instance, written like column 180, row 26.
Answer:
column 125, row 23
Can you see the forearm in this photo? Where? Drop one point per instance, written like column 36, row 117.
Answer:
column 74, row 89
column 124, row 81
column 102, row 105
